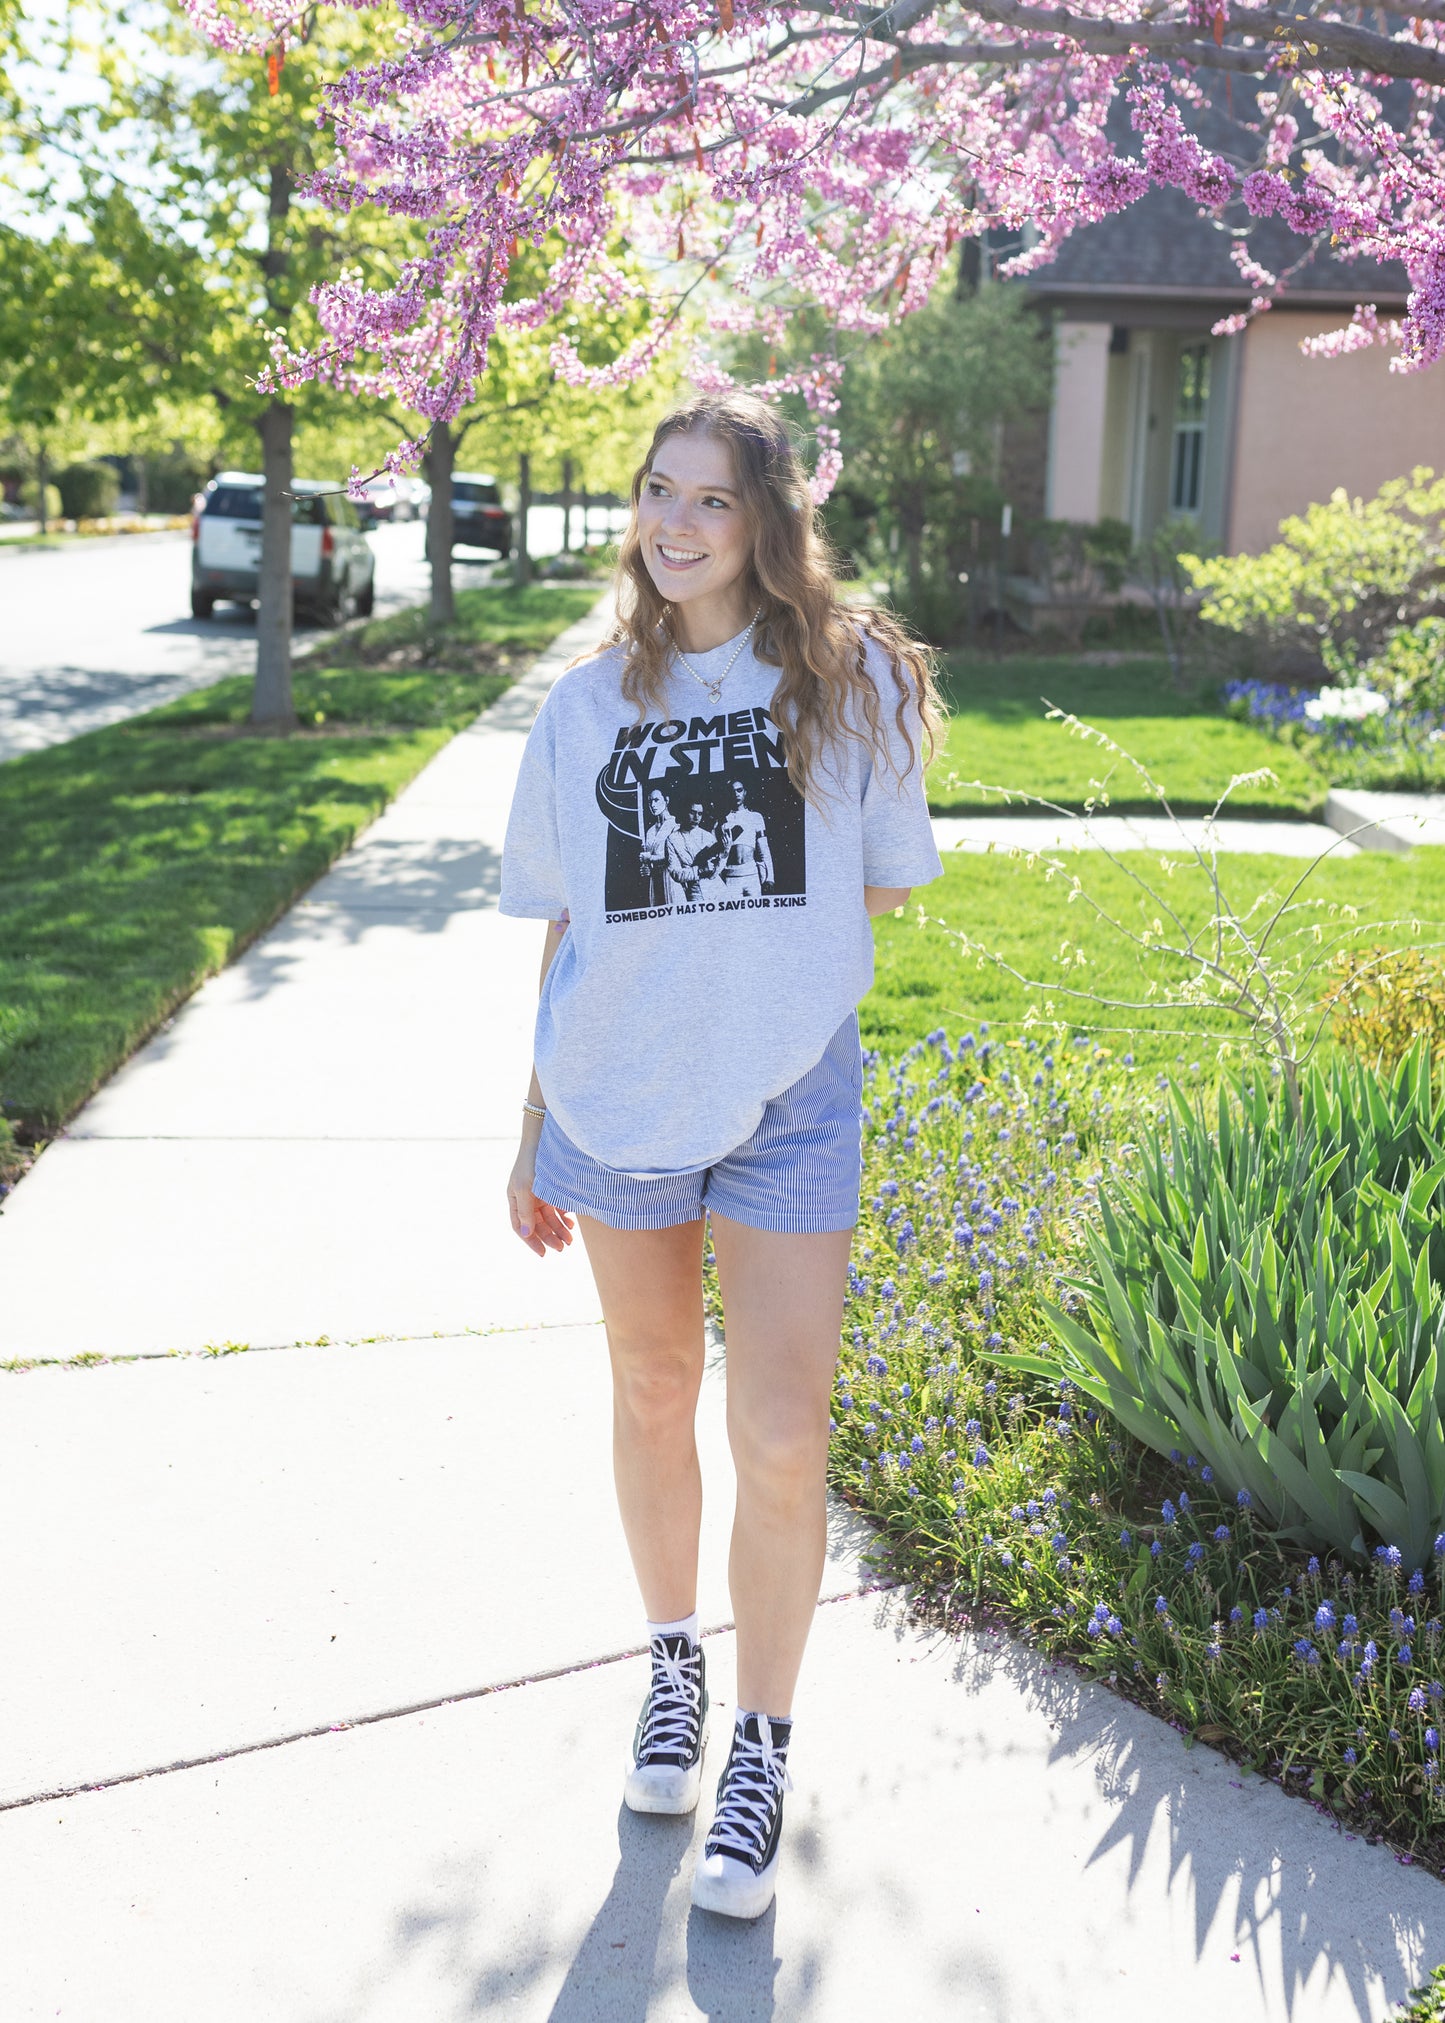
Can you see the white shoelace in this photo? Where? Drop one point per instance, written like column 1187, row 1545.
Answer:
column 757, row 1778
column 676, row 1707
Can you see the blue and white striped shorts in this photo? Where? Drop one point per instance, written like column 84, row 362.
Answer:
column 796, row 1175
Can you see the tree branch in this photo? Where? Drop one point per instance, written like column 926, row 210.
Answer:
column 1317, row 43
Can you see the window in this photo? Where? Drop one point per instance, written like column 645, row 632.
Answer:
column 233, row 502
column 470, row 493
column 243, row 502
column 1186, row 468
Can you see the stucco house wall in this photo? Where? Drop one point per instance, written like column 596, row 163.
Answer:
column 1077, row 421
column 1133, row 300
column 1305, row 426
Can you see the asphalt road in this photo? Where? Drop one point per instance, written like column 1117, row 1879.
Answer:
column 94, row 631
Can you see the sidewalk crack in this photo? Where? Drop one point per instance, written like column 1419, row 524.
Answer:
column 325, row 1728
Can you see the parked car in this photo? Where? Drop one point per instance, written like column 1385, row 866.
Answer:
column 392, row 499
column 382, row 502
column 333, row 571
column 479, row 519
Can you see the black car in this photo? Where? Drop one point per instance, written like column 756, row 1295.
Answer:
column 479, row 519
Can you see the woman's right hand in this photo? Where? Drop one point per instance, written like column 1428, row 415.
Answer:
column 540, row 1226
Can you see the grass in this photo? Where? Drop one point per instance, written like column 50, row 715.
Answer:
column 140, row 859
column 924, row 981
column 999, row 734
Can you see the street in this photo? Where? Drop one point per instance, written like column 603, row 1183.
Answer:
column 94, row 631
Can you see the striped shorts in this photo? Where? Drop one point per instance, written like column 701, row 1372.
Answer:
column 797, row 1175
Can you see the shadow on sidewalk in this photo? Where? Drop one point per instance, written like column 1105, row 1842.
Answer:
column 1261, row 1869
column 731, row 1967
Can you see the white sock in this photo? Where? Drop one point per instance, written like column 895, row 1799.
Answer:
column 685, row 1626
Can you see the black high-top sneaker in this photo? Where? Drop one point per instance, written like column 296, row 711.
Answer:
column 666, row 1772
column 738, row 1871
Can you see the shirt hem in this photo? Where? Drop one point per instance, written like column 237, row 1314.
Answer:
column 532, row 909
column 871, row 876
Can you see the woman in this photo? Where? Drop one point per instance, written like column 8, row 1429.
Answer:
column 732, row 658
column 746, row 862
column 652, row 862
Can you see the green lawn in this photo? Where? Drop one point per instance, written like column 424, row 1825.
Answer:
column 924, row 981
column 999, row 734
column 140, row 859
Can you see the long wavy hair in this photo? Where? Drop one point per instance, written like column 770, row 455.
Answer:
column 824, row 692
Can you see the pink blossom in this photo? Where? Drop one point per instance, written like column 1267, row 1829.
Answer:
column 750, row 159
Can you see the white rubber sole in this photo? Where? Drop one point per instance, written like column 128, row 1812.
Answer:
column 731, row 1889
column 662, row 1788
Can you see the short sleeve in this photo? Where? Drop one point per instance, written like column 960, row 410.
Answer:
column 898, row 845
column 532, row 884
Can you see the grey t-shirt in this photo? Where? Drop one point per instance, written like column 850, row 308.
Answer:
column 718, row 934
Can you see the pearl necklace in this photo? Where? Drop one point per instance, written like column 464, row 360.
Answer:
column 714, row 686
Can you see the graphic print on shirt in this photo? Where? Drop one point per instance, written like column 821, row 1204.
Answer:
column 702, row 818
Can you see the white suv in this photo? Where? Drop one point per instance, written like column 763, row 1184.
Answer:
column 333, row 571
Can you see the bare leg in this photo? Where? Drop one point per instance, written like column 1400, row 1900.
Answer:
column 650, row 1285
column 783, row 1296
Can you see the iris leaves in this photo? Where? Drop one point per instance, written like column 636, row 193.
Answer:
column 1268, row 1296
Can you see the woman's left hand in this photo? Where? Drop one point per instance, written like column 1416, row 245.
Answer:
column 540, row 1226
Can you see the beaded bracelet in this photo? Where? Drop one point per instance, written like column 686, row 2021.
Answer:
column 534, row 1109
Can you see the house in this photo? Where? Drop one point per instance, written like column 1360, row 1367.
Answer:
column 1153, row 417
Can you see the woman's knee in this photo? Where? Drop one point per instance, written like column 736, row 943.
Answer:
column 781, row 1456
column 654, row 1384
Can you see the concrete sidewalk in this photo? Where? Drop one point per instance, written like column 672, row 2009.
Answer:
column 322, row 1662
column 319, row 1142
column 1397, row 822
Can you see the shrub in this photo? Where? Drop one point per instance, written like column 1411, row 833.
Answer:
column 172, row 481
column 1385, row 1001
column 1268, row 1293
column 1078, row 563
column 88, row 491
column 1411, row 667
column 1338, row 580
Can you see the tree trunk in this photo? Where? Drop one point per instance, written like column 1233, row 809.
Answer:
column 42, row 466
column 567, row 506
column 442, row 609
column 524, row 508
column 271, row 699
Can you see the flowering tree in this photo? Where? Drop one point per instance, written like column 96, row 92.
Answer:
column 757, row 154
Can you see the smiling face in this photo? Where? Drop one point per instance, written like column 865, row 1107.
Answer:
column 695, row 535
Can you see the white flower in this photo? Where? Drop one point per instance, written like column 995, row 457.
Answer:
column 1347, row 705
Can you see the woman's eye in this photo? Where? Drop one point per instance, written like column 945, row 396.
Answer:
column 713, row 500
